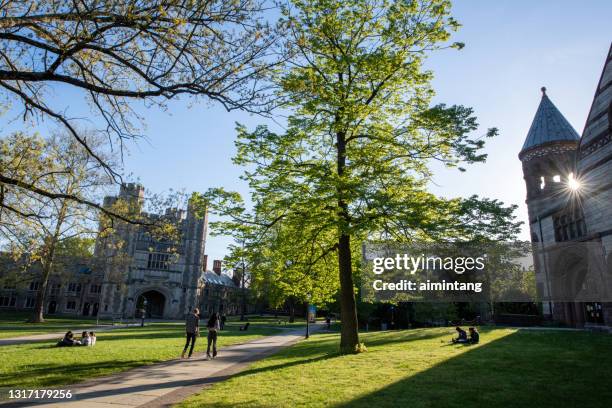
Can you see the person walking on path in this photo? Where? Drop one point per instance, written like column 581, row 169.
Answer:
column 192, row 330
column 213, row 327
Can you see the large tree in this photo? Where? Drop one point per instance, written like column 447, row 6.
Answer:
column 113, row 53
column 354, row 161
column 44, row 230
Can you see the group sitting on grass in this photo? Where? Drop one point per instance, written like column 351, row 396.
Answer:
column 87, row 339
column 462, row 336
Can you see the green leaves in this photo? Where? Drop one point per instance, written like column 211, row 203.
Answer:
column 355, row 159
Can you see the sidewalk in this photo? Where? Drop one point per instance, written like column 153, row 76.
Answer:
column 32, row 338
column 169, row 382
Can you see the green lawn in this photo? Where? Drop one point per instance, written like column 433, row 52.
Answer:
column 418, row 368
column 14, row 324
column 280, row 321
column 42, row 364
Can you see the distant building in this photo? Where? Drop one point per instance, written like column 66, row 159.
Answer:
column 130, row 267
column 569, row 199
column 220, row 292
column 76, row 290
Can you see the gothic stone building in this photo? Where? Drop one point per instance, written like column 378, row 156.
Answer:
column 163, row 278
column 131, row 272
column 569, row 199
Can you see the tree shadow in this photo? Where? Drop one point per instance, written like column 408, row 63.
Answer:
column 515, row 370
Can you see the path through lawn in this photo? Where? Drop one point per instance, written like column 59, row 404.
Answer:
column 43, row 365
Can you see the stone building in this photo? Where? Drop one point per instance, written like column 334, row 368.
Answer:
column 75, row 290
column 569, row 199
column 163, row 278
column 131, row 271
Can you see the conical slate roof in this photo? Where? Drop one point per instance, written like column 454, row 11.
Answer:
column 548, row 125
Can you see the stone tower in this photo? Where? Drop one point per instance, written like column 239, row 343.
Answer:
column 194, row 242
column 548, row 157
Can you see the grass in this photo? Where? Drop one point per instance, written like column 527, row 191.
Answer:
column 41, row 364
column 15, row 324
column 419, row 368
column 268, row 321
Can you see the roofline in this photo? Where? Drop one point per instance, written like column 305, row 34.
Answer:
column 603, row 70
column 522, row 153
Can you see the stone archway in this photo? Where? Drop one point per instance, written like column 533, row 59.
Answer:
column 155, row 303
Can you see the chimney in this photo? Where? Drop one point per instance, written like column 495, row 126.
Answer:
column 217, row 266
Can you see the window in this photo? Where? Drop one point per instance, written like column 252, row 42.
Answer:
column 34, row 285
column 71, row 305
column 569, row 225
column 74, row 287
column 158, row 261
column 30, row 302
column 7, row 301
column 55, row 289
column 93, row 288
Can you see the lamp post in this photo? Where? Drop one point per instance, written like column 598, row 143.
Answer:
column 144, row 311
column 308, row 316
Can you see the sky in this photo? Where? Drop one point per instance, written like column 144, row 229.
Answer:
column 513, row 48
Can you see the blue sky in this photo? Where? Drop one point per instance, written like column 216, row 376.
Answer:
column 513, row 47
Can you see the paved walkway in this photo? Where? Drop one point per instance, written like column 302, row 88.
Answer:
column 32, row 338
column 169, row 382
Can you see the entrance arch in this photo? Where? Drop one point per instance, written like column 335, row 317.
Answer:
column 155, row 304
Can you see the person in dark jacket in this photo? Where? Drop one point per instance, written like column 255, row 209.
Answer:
column 461, row 336
column 213, row 326
column 223, row 320
column 474, row 335
column 68, row 340
column 192, row 330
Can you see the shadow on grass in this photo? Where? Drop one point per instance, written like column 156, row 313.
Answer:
column 178, row 335
column 520, row 369
column 305, row 353
column 51, row 374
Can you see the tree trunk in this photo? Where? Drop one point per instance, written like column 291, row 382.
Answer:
column 291, row 310
column 39, row 309
column 47, row 263
column 243, row 297
column 349, row 333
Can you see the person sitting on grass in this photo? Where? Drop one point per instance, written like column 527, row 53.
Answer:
column 245, row 327
column 92, row 336
column 85, row 339
column 474, row 335
column 461, row 337
column 68, row 340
